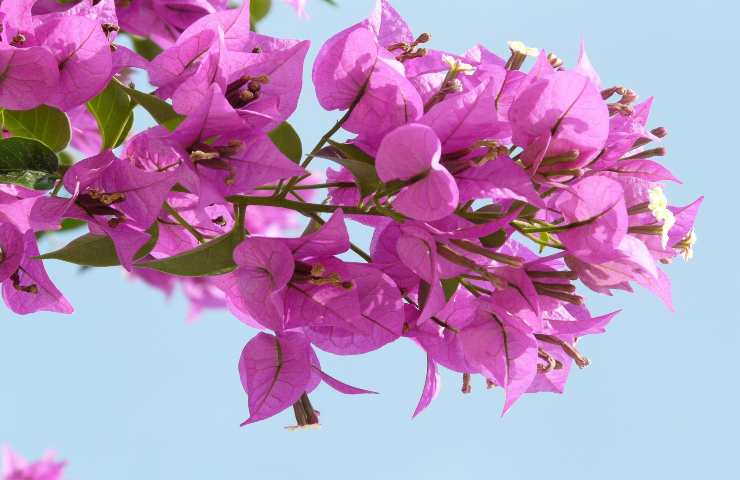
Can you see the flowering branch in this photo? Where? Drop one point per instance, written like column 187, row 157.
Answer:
column 465, row 167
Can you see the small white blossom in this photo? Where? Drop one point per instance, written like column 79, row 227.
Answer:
column 658, row 205
column 686, row 247
column 457, row 66
column 518, row 47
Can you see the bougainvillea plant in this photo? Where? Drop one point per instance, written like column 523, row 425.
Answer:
column 496, row 195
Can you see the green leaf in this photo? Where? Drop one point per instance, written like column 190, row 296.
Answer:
column 287, row 141
column 160, row 110
column 449, row 286
column 212, row 258
column 360, row 164
column 127, row 126
column 494, row 240
column 66, row 159
column 259, row 9
column 46, row 124
column 88, row 250
column 97, row 250
column 112, row 109
column 27, row 162
column 145, row 47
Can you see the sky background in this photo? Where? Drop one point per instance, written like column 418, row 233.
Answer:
column 124, row 389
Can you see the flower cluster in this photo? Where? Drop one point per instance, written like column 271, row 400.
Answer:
column 491, row 190
column 16, row 467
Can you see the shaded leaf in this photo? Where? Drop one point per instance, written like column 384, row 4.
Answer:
column 145, row 47
column 449, row 286
column 46, row 124
column 112, row 109
column 494, row 240
column 287, row 141
column 27, row 162
column 97, row 250
column 212, row 258
column 160, row 110
column 360, row 164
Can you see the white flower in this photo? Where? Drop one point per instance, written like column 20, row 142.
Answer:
column 457, row 66
column 686, row 246
column 658, row 205
column 518, row 47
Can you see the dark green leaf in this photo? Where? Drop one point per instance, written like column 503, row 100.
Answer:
column 97, row 250
column 212, row 258
column 449, row 286
column 45, row 124
column 424, row 291
column 161, row 111
column 27, row 162
column 145, row 47
column 287, row 141
column 360, row 164
column 112, row 109
column 494, row 240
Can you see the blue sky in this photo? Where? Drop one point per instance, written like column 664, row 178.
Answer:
column 125, row 390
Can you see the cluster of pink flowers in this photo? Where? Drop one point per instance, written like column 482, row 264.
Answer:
column 490, row 190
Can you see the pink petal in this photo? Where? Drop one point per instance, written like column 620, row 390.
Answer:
column 274, row 372
column 256, row 287
column 462, row 120
column 498, row 179
column 84, row 57
column 504, row 352
column 331, row 239
column 342, row 387
column 389, row 101
column 11, row 250
column 407, row 151
column 571, row 105
column 388, row 25
column 431, row 387
column 592, row 197
column 29, row 78
column 585, row 68
column 31, row 272
column 432, row 198
column 343, row 67
column 380, row 319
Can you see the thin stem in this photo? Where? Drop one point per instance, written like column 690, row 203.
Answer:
column 184, row 223
column 298, row 206
column 322, row 141
column 241, row 216
column 327, row 136
column 314, row 186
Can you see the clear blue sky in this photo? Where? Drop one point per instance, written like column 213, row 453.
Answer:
column 125, row 390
